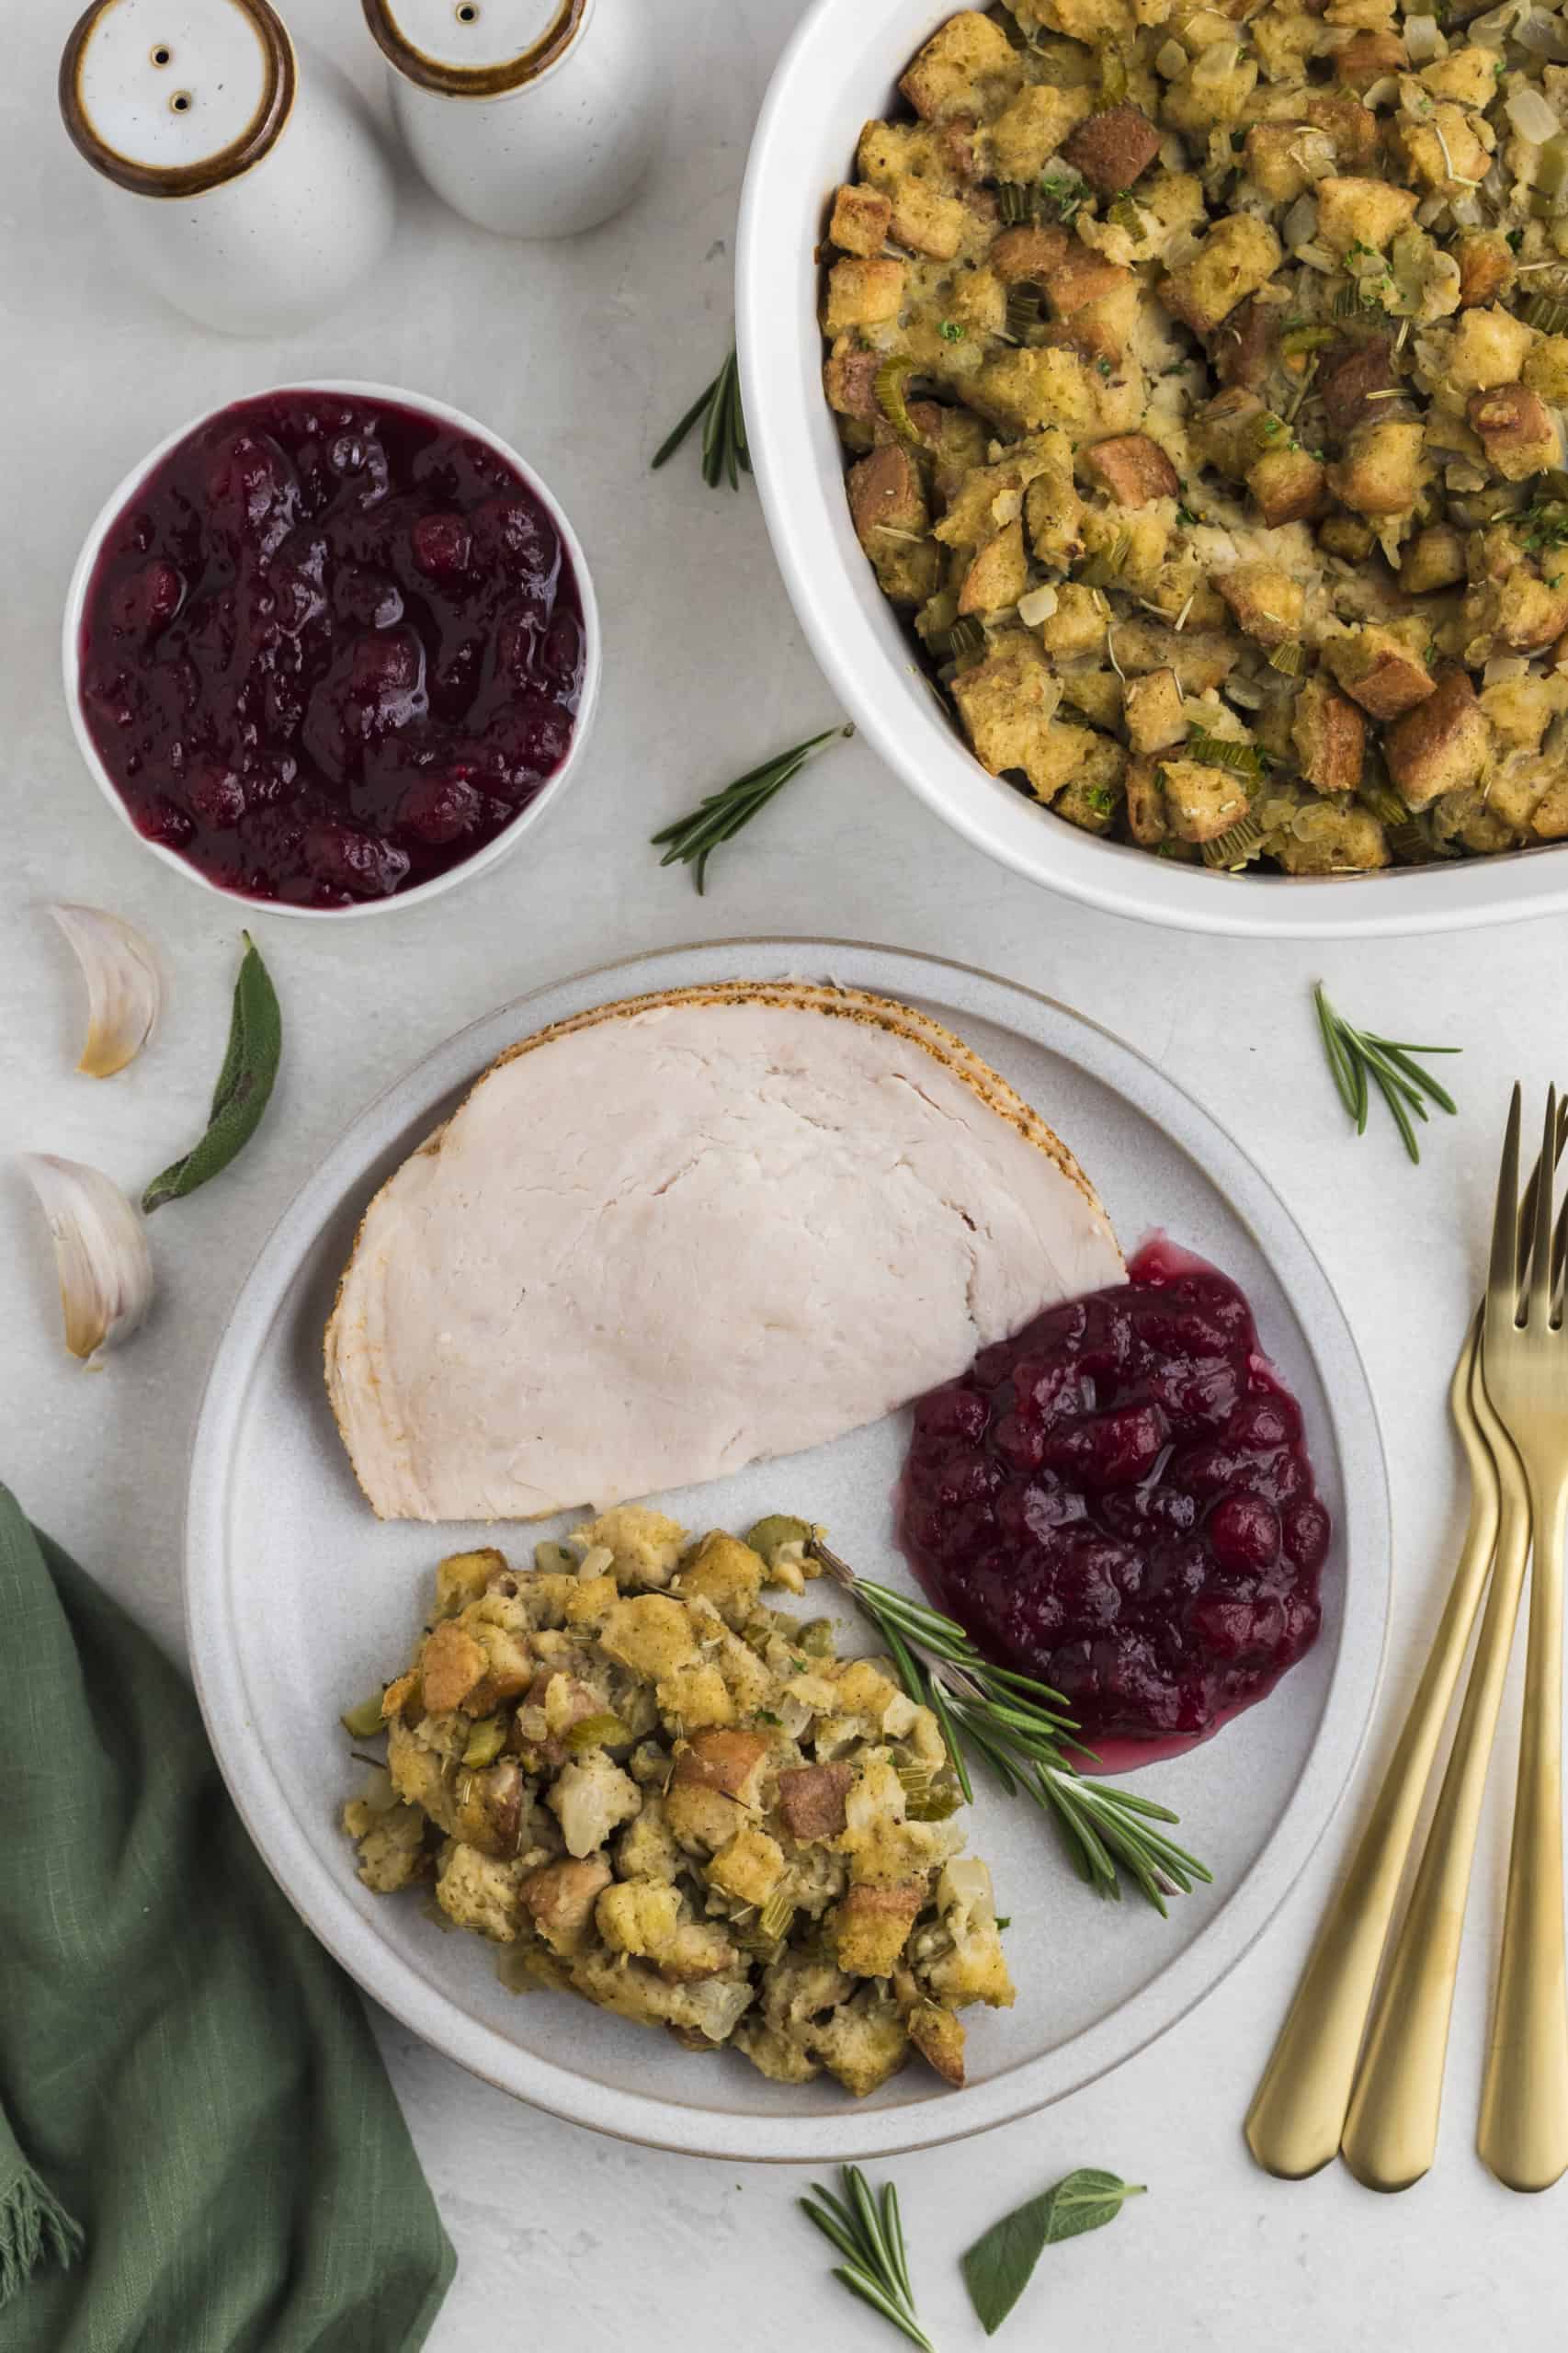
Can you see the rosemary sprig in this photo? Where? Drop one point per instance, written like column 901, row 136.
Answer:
column 1020, row 1728
column 1359, row 1059
column 867, row 2233
column 724, row 449
column 692, row 839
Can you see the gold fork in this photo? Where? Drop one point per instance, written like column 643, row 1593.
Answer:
column 1299, row 2112
column 1523, row 2132
column 1294, row 2124
column 1391, row 2134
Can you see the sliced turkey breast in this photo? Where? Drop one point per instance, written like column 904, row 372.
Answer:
column 683, row 1232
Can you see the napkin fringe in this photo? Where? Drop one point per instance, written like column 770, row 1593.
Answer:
column 34, row 2228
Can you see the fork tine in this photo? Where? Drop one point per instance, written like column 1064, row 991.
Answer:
column 1502, row 1276
column 1537, row 1307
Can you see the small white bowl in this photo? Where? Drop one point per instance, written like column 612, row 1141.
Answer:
column 839, row 70
column 440, row 412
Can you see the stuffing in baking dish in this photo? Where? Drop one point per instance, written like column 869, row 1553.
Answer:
column 1199, row 367
column 656, row 1791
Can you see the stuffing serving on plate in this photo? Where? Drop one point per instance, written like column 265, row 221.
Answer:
column 658, row 1793
column 1198, row 366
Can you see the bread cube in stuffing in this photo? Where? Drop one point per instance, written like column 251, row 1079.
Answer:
column 1154, row 711
column 1440, row 746
column 1379, row 671
column 863, row 293
column 1201, row 801
column 1133, row 468
column 1330, row 737
column 1237, row 257
column 963, row 68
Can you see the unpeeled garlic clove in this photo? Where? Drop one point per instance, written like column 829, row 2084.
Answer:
column 100, row 1251
column 124, row 987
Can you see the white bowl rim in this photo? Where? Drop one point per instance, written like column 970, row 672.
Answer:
column 1188, row 1975
column 779, row 224
column 442, row 413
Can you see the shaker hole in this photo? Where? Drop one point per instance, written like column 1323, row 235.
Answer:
column 162, row 54
column 468, row 12
column 181, row 102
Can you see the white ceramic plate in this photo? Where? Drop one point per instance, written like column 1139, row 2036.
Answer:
column 839, row 70
column 298, row 1602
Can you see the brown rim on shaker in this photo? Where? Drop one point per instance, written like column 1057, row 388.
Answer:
column 449, row 76
column 275, row 100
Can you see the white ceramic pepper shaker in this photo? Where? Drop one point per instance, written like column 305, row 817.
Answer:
column 532, row 118
column 243, row 178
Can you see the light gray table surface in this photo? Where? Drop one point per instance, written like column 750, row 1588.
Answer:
column 583, row 353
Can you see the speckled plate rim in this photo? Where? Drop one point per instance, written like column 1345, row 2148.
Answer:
column 322, row 1900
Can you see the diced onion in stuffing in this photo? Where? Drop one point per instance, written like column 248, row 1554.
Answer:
column 1530, row 115
column 1543, row 35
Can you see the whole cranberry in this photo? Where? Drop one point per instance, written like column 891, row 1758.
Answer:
column 246, row 473
column 346, row 859
column 441, row 545
column 1035, row 1508
column 1198, row 1396
column 1307, row 1529
column 521, row 536
column 1264, row 1422
column 1050, row 1390
column 439, row 808
column 953, row 1412
column 1114, row 1449
column 532, row 738
column 386, row 662
column 1243, row 1532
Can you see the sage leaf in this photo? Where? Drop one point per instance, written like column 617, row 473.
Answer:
column 245, row 1085
column 997, row 2267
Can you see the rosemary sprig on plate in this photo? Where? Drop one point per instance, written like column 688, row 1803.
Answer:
column 868, row 2233
column 692, row 839
column 724, row 449
column 1361, row 1060
column 1021, row 1730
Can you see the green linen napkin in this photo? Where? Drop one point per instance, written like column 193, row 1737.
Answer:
column 200, row 2150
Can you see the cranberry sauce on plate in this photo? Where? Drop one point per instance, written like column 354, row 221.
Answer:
column 1118, row 1500
column 331, row 647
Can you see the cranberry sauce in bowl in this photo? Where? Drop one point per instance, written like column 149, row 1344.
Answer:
column 331, row 646
column 1118, row 1500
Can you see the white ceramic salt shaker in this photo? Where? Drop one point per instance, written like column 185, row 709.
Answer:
column 243, row 178
column 532, row 118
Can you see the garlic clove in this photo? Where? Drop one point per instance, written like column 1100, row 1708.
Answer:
column 100, row 1251
column 125, row 989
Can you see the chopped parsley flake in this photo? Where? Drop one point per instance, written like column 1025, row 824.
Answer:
column 951, row 332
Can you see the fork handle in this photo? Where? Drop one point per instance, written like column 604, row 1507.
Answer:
column 1294, row 2124
column 1391, row 2134
column 1523, row 2134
